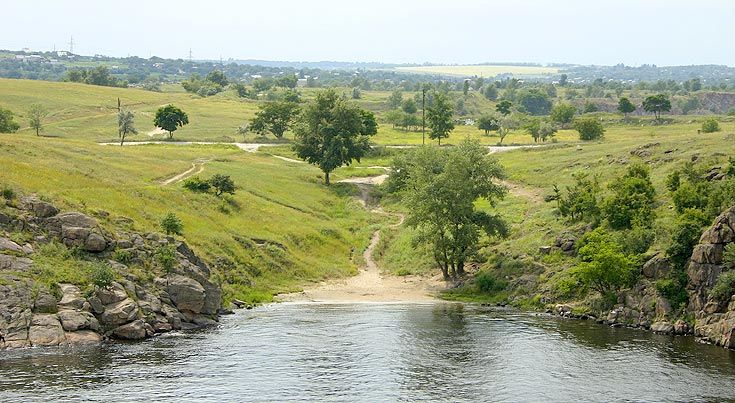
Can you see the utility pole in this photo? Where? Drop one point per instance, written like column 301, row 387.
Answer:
column 190, row 55
column 71, row 45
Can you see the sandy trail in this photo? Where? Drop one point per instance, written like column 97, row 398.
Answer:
column 369, row 285
column 249, row 147
column 520, row 190
column 196, row 168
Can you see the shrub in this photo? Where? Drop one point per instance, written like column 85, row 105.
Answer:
column 487, row 282
column 604, row 266
column 170, row 224
column 580, row 201
column 728, row 256
column 122, row 256
column 197, row 185
column 222, row 183
column 724, row 287
column 102, row 275
column 685, row 235
column 674, row 289
column 710, row 126
column 8, row 193
column 589, row 129
column 632, row 199
column 637, row 240
column 7, row 124
column 166, row 257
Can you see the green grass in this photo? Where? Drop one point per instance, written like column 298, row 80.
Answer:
column 480, row 70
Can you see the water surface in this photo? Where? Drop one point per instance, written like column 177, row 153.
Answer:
column 379, row 352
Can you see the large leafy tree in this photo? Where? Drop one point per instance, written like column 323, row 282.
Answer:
column 274, row 117
column 439, row 116
column 7, row 124
column 125, row 124
column 332, row 132
column 563, row 113
column 441, row 186
column 535, row 102
column 36, row 114
column 488, row 123
column 504, row 107
column 589, row 129
column 170, row 118
column 656, row 104
column 604, row 267
column 625, row 106
column 632, row 201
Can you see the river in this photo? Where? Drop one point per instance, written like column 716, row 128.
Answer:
column 375, row 353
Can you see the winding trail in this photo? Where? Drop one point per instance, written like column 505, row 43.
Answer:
column 196, row 168
column 535, row 195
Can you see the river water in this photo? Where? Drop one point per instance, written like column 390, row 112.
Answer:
column 375, row 353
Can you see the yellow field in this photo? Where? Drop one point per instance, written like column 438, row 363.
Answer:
column 481, row 70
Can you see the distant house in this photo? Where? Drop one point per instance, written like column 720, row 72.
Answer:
column 62, row 53
column 301, row 82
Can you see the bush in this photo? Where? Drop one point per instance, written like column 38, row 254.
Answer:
column 580, row 201
column 8, row 193
column 710, row 126
column 170, row 224
column 7, row 124
column 488, row 283
column 197, row 185
column 724, row 287
column 604, row 266
column 222, row 183
column 102, row 275
column 637, row 240
column 728, row 256
column 674, row 289
column 166, row 257
column 632, row 199
column 589, row 129
column 122, row 256
column 685, row 236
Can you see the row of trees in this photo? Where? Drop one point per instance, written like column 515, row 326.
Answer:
column 36, row 114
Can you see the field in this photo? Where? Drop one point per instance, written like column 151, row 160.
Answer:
column 481, row 70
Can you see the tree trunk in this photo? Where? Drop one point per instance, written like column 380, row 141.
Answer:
column 460, row 268
column 122, row 139
column 37, row 131
column 326, row 178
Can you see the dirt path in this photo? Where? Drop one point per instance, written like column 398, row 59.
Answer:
column 369, row 285
column 196, row 168
column 535, row 195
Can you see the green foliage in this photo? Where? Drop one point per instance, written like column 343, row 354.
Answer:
column 170, row 224
column 170, row 118
column 356, row 93
column 491, row 92
column 36, row 114
column 99, row 75
column 7, row 124
column 125, row 124
column 166, row 258
column 409, row 106
column 102, row 275
column 674, row 289
column 563, row 113
column 590, row 107
column 728, row 256
column 724, row 288
column 589, row 129
column 123, row 256
column 395, row 99
column 632, row 199
column 332, row 132
column 581, row 202
column 196, row 184
column 504, row 107
column 540, row 130
column 636, row 240
column 625, row 106
column 7, row 193
column 656, row 104
column 274, row 117
column 222, row 184
column 487, row 282
column 439, row 117
column 488, row 123
column 212, row 84
column 534, row 102
column 244, row 92
column 685, row 235
column 441, row 187
column 604, row 266
column 217, row 77
column 710, row 125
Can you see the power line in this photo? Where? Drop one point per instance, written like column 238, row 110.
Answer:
column 71, row 45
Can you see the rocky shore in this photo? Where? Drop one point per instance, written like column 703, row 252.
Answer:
column 133, row 305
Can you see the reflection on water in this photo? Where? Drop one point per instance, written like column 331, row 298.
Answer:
column 379, row 352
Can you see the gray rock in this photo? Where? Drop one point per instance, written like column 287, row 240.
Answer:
column 95, row 243
column 681, row 327
column 39, row 208
column 662, row 327
column 118, row 313
column 186, row 293
column 114, row 293
column 10, row 246
column 83, row 337
column 544, row 250
column 13, row 263
column 656, row 267
column 75, row 219
column 72, row 321
column 96, row 305
column 45, row 302
column 72, row 297
column 134, row 330
column 124, row 244
column 46, row 330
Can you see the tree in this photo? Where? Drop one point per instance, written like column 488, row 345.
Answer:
column 332, row 132
column 441, row 186
column 563, row 80
column 7, row 124
column 395, row 99
column 507, row 123
column 710, row 125
column 287, row 81
column 625, row 106
column 563, row 113
column 604, row 265
column 466, row 87
column 656, row 104
column 170, row 118
column 589, row 129
column 440, row 117
column 274, row 117
column 488, row 123
column 36, row 114
column 491, row 92
column 409, row 106
column 356, row 93
column 222, row 184
column 217, row 77
column 632, row 200
column 504, row 107
column 580, row 203
column 535, row 102
column 171, row 225
column 125, row 124
column 590, row 107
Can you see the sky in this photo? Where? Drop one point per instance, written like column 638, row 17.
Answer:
column 602, row 32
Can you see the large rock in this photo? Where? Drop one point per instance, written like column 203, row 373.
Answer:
column 46, row 330
column 95, row 243
column 13, row 263
column 71, row 297
column 6, row 245
column 662, row 327
column 656, row 267
column 134, row 330
column 83, row 337
column 114, row 293
column 72, row 321
column 75, row 219
column 118, row 313
column 45, row 302
column 186, row 293
column 39, row 207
